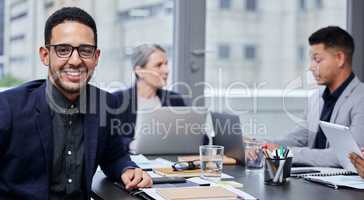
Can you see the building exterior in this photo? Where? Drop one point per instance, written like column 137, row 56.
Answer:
column 258, row 42
column 2, row 33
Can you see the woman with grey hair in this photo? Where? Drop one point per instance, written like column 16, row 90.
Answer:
column 150, row 65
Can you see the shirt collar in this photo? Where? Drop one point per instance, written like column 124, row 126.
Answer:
column 336, row 94
column 58, row 103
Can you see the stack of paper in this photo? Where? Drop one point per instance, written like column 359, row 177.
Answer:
column 338, row 181
column 224, row 193
column 184, row 173
column 145, row 163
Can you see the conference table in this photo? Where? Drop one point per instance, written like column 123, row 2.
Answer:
column 253, row 183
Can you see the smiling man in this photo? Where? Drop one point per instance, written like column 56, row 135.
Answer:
column 51, row 133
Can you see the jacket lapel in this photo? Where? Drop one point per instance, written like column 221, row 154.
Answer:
column 44, row 125
column 162, row 94
column 314, row 117
column 133, row 95
column 343, row 97
column 90, row 132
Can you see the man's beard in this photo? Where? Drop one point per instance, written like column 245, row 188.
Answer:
column 68, row 86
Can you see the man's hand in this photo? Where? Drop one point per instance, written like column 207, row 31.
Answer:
column 251, row 154
column 136, row 178
column 358, row 163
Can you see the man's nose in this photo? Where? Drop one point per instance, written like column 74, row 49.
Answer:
column 75, row 58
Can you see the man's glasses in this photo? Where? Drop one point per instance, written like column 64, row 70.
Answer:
column 66, row 50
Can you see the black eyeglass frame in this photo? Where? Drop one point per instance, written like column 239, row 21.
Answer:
column 55, row 46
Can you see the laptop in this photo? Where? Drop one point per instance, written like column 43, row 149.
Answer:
column 228, row 133
column 169, row 130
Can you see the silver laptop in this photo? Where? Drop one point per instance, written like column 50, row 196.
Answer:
column 169, row 130
column 228, row 133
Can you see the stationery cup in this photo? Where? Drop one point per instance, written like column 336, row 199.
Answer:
column 276, row 171
column 211, row 162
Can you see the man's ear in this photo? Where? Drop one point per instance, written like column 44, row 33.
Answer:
column 341, row 58
column 44, row 55
column 97, row 56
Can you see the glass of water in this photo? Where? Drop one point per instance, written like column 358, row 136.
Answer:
column 211, row 158
column 253, row 146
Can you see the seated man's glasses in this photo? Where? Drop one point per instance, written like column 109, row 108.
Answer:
column 66, row 50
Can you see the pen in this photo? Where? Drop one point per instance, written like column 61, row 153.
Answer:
column 266, row 154
column 286, row 154
column 281, row 151
column 270, row 169
column 279, row 171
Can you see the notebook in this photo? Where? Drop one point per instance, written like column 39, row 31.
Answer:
column 154, row 194
column 323, row 171
column 184, row 173
column 338, row 181
column 197, row 193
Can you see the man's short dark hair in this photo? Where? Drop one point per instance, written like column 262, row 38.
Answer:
column 334, row 37
column 68, row 14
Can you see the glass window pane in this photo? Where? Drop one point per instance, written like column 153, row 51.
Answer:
column 267, row 48
column 319, row 4
column 224, row 51
column 122, row 25
column 302, row 5
column 250, row 52
column 225, row 4
column 1, row 27
column 251, row 5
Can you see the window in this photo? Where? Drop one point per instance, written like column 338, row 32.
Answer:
column 19, row 16
column 319, row 4
column 301, row 54
column 137, row 22
column 1, row 70
column 302, row 5
column 168, row 6
column 16, row 3
column 48, row 4
column 224, row 51
column 225, row 4
column 251, row 5
column 2, row 7
column 17, row 37
column 250, row 52
column 14, row 59
column 125, row 25
column 272, row 50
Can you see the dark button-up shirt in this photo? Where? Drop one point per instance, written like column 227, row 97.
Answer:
column 329, row 104
column 68, row 147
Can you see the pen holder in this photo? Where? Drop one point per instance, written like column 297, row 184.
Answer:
column 276, row 171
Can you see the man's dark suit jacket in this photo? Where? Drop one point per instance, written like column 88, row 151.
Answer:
column 26, row 141
column 129, row 100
